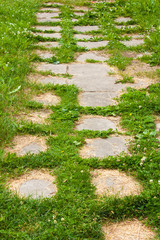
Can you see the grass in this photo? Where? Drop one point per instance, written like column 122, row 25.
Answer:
column 75, row 213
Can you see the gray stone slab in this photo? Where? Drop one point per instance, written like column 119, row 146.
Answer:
column 133, row 42
column 48, row 44
column 102, row 148
column 48, row 35
column 47, row 15
column 52, row 80
column 48, row 28
column 123, row 19
column 37, row 188
column 79, row 14
column 55, row 68
column 90, row 55
column 95, row 99
column 95, row 124
column 41, row 20
column 44, row 54
column 158, row 126
column 88, row 69
column 91, row 45
column 86, row 28
column 83, row 36
column 125, row 27
column 32, row 148
column 50, row 9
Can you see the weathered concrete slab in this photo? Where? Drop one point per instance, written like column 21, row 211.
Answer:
column 90, row 55
column 55, row 68
column 128, row 230
column 44, row 54
column 91, row 45
column 37, row 188
column 48, row 35
column 86, row 28
column 32, row 148
column 133, row 42
column 114, row 182
column 41, row 20
column 95, row 99
column 102, row 148
column 95, row 123
column 124, row 27
column 47, row 99
column 123, row 19
column 48, row 44
column 52, row 80
column 88, row 69
column 48, row 28
column 83, row 36
column 50, row 9
column 47, row 15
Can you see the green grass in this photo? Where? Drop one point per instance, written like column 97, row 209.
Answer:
column 75, row 213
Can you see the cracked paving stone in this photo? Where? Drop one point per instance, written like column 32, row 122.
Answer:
column 96, row 123
column 122, row 19
column 133, row 42
column 102, row 148
column 96, row 99
column 90, row 55
column 48, row 35
column 54, row 68
column 86, row 28
column 48, row 44
column 47, row 99
column 91, row 45
column 114, row 182
column 48, row 28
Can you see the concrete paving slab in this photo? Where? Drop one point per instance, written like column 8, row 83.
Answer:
column 55, row 68
column 37, row 188
column 91, row 45
column 44, row 54
column 47, row 99
column 102, row 148
column 133, row 42
column 52, row 80
column 83, row 36
column 123, row 19
column 86, row 28
column 41, row 20
column 48, row 35
column 89, row 69
column 48, row 44
column 95, row 123
column 78, row 8
column 50, row 9
column 125, row 27
column 95, row 99
column 48, row 28
column 90, row 55
column 47, row 15
column 32, row 148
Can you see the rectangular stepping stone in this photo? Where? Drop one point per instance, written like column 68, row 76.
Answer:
column 55, row 68
column 41, row 20
column 44, row 54
column 96, row 123
column 47, row 15
column 48, row 44
column 102, row 148
column 133, row 42
column 52, row 80
column 90, row 55
column 50, row 9
column 125, row 27
column 91, row 45
column 123, row 19
column 48, row 28
column 79, row 13
column 48, row 35
column 96, row 99
column 83, row 36
column 86, row 28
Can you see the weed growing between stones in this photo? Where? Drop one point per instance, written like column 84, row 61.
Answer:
column 74, row 212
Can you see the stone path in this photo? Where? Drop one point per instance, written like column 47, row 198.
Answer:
column 98, row 89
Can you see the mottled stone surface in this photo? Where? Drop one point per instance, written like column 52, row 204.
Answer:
column 91, row 45
column 123, row 19
column 32, row 148
column 48, row 28
column 44, row 54
column 102, row 148
column 48, row 35
column 133, row 42
column 86, row 28
column 47, row 99
column 83, row 36
column 48, row 44
column 52, row 80
column 114, row 182
column 90, row 55
column 37, row 188
column 95, row 99
column 96, row 123
column 128, row 230
column 55, row 68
